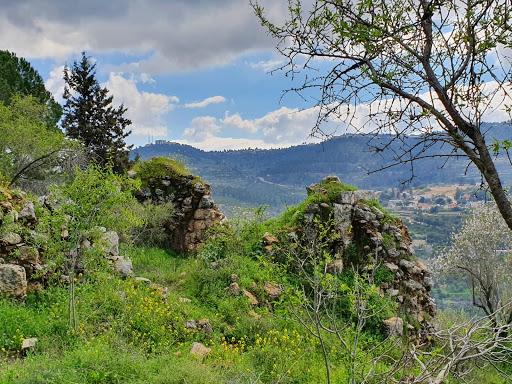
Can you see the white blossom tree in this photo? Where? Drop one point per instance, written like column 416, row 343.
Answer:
column 480, row 254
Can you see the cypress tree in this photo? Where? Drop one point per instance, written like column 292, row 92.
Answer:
column 90, row 117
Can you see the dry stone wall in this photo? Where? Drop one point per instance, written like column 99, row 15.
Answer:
column 373, row 237
column 23, row 265
column 194, row 209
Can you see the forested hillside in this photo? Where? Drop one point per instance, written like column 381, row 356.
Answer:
column 277, row 177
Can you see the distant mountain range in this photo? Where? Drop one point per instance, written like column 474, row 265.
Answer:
column 278, row 177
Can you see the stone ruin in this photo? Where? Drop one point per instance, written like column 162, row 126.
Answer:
column 358, row 222
column 194, row 209
column 23, row 267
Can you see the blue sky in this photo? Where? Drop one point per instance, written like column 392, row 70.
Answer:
column 191, row 71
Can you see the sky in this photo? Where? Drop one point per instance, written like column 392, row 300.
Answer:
column 191, row 71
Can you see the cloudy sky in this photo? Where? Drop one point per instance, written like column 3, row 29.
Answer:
column 193, row 71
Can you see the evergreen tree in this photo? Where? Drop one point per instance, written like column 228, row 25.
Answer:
column 90, row 117
column 17, row 76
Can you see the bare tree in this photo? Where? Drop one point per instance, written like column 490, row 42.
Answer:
column 321, row 297
column 455, row 353
column 434, row 69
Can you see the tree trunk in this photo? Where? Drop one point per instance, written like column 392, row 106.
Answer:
column 491, row 176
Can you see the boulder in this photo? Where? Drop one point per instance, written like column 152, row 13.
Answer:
column 204, row 326
column 191, row 325
column 143, row 280
column 269, row 239
column 28, row 255
column 199, row 350
column 122, row 264
column 13, row 280
column 234, row 289
column 28, row 212
column 331, row 179
column 110, row 242
column 11, row 239
column 352, row 197
column 28, row 344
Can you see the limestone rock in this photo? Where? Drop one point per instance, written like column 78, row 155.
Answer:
column 407, row 265
column 194, row 210
column 13, row 280
column 393, row 327
column 29, row 343
column 352, row 197
column 392, row 267
column 143, row 280
column 273, row 290
column 234, row 289
column 28, row 212
column 110, row 241
column 312, row 188
column 191, row 325
column 28, row 255
column 206, row 202
column 335, row 267
column 252, row 299
column 331, row 179
column 122, row 264
column 34, row 286
column 204, row 326
column 10, row 239
column 269, row 239
column 199, row 350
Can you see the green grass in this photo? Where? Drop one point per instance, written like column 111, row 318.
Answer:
column 161, row 166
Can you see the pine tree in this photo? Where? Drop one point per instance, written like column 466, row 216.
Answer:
column 17, row 76
column 90, row 117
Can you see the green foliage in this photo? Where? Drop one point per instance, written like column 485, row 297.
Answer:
column 334, row 189
column 18, row 77
column 96, row 198
column 388, row 240
column 159, row 167
column 383, row 275
column 157, row 220
column 90, row 117
column 28, row 147
column 376, row 204
column 294, row 216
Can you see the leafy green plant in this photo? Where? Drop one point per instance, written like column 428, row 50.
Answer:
column 161, row 166
column 96, row 198
column 388, row 240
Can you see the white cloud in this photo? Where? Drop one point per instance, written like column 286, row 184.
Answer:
column 179, row 35
column 55, row 83
column 201, row 129
column 237, row 122
column 208, row 101
column 146, row 110
column 267, row 65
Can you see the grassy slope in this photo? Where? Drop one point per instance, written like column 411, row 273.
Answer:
column 127, row 333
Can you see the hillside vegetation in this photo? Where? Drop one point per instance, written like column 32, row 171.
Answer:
column 245, row 297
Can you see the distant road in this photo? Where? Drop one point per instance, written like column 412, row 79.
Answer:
column 269, row 182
